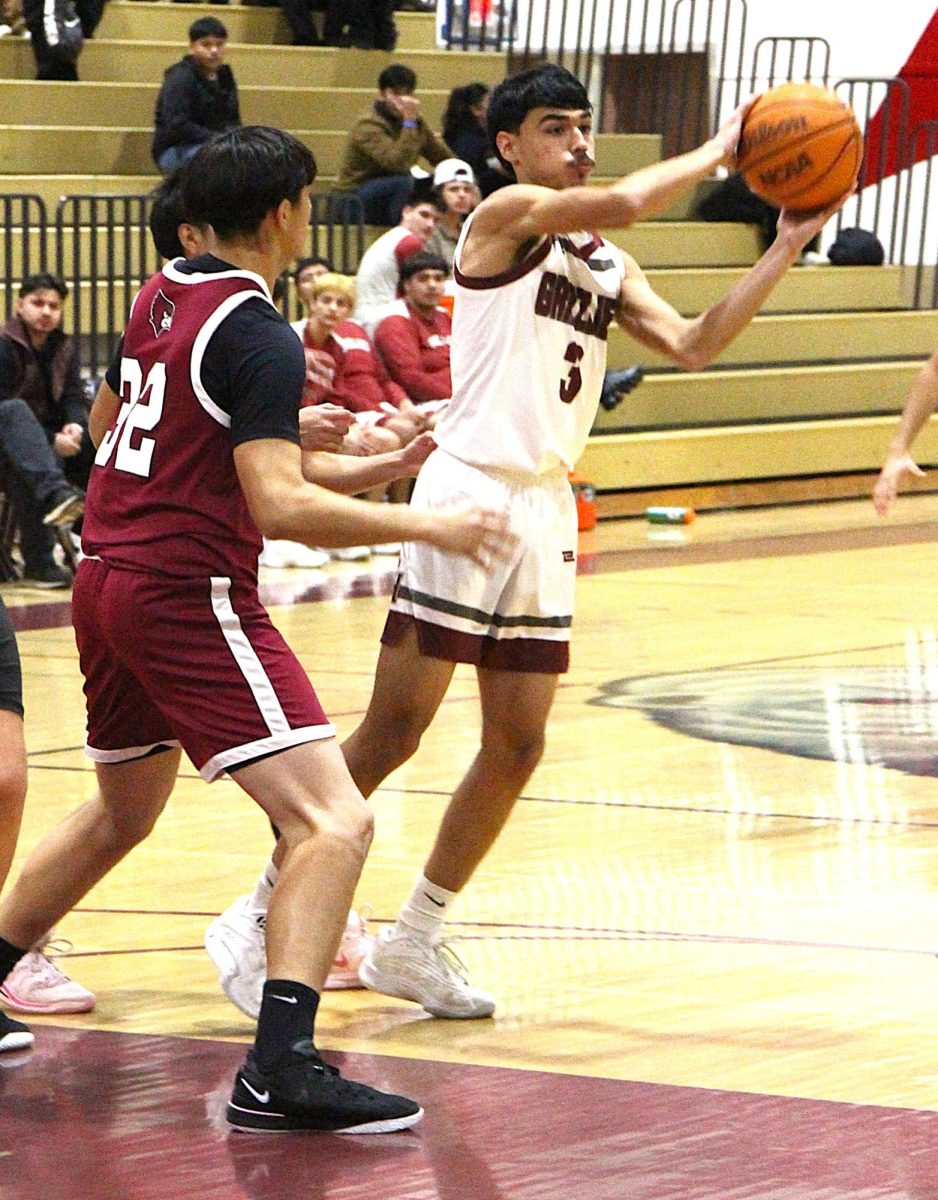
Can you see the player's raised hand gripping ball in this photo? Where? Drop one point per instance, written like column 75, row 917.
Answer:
column 800, row 147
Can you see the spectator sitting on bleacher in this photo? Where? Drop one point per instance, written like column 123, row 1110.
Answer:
column 305, row 274
column 198, row 97
column 342, row 368
column 465, row 132
column 377, row 283
column 384, row 144
column 414, row 339
column 458, row 194
column 45, row 449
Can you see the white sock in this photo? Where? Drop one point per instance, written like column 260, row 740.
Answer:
column 264, row 887
column 423, row 915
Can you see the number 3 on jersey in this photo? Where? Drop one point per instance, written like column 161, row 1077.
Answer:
column 570, row 387
column 140, row 411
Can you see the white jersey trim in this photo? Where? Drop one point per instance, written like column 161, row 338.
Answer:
column 245, row 656
column 171, row 271
column 200, row 345
column 129, row 753
column 227, row 759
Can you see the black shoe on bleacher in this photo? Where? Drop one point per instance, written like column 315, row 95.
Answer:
column 65, row 507
column 618, row 384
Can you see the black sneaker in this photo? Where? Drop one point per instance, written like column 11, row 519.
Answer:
column 618, row 384
column 48, row 576
column 65, row 507
column 14, row 1035
column 303, row 1092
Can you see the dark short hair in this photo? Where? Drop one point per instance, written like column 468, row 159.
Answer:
column 543, row 86
column 41, row 282
column 207, row 27
column 433, row 198
column 241, row 174
column 312, row 261
column 166, row 215
column 423, row 260
column 397, row 77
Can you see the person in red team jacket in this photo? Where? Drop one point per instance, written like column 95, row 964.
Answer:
column 342, row 368
column 414, row 338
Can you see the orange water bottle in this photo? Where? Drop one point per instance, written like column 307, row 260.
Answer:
column 584, row 493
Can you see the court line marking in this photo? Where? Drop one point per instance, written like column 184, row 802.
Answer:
column 536, row 933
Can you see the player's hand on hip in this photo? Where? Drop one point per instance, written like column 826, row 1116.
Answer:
column 479, row 533
column 890, row 477
column 324, row 426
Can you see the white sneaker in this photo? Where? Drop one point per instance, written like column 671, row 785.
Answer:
column 36, row 985
column 235, row 944
column 425, row 972
column 352, row 949
column 291, row 554
column 352, row 553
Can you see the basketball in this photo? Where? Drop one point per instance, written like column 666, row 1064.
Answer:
column 800, row 147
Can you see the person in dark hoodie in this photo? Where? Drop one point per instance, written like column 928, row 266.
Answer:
column 198, row 98
column 45, row 449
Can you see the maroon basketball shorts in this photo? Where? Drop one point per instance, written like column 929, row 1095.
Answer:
column 196, row 664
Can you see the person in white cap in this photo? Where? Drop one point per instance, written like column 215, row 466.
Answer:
column 457, row 195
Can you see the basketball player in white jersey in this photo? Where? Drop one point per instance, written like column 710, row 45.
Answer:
column 536, row 292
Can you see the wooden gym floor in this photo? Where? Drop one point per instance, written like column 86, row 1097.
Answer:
column 711, row 925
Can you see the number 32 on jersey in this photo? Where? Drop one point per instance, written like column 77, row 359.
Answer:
column 139, row 414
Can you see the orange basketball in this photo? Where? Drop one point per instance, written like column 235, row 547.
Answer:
column 800, row 147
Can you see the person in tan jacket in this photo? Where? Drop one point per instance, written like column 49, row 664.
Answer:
column 384, row 144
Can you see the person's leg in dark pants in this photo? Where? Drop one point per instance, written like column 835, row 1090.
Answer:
column 384, row 198
column 36, row 540
column 300, row 19
column 89, row 13
column 28, row 454
column 49, row 64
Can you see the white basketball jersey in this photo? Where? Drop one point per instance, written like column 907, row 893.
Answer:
column 528, row 355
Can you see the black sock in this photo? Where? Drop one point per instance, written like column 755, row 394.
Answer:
column 10, row 955
column 288, row 1014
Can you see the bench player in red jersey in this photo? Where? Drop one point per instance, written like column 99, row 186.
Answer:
column 198, row 457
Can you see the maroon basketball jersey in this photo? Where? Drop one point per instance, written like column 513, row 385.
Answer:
column 164, row 495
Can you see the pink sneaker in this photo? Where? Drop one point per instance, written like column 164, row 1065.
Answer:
column 36, row 985
column 349, row 956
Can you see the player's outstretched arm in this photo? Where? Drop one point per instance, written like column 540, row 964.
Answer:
column 285, row 506
column 525, row 211
column 922, row 402
column 694, row 342
column 348, row 474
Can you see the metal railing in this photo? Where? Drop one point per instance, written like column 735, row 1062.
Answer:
column 24, row 222
column 100, row 246
column 808, row 58
column 921, row 243
column 337, row 229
